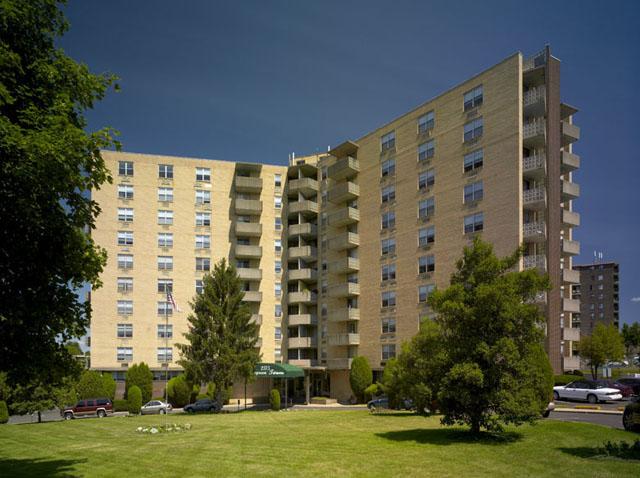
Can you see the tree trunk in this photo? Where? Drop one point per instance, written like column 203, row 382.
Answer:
column 594, row 371
column 475, row 425
column 39, row 417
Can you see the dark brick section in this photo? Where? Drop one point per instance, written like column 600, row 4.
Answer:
column 599, row 296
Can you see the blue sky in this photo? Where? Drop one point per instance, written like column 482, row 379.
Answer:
column 256, row 80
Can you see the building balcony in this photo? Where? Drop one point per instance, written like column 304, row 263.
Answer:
column 305, row 230
column 534, row 133
column 534, row 231
column 345, row 314
column 344, row 168
column 535, row 166
column 302, row 297
column 252, row 296
column 570, row 191
column 301, row 342
column 248, row 207
column 248, row 252
column 343, row 192
column 344, row 216
column 306, row 186
column 301, row 319
column 345, row 265
column 344, row 339
column 346, row 289
column 535, row 262
column 569, row 162
column 570, row 276
column 256, row 319
column 570, row 218
column 534, row 198
column 570, row 333
column 571, row 305
column 305, row 275
column 571, row 363
column 250, row 229
column 247, row 184
column 534, row 101
column 570, row 248
column 343, row 241
column 307, row 253
column 249, row 273
column 304, row 207
column 339, row 363
column 570, row 133
column 303, row 363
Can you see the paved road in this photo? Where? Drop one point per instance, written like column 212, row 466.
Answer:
column 608, row 420
column 604, row 406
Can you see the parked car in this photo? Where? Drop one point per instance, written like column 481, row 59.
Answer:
column 632, row 382
column 625, row 390
column 586, row 390
column 155, row 406
column 383, row 402
column 631, row 415
column 99, row 407
column 203, row 405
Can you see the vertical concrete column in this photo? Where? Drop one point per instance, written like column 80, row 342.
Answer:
column 307, row 386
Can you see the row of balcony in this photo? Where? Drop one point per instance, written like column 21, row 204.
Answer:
column 248, row 184
column 535, row 198
column 534, row 133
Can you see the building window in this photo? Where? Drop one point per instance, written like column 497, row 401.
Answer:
column 277, row 333
column 125, row 214
column 278, row 310
column 473, row 160
column 125, row 238
column 389, row 220
column 388, row 272
column 199, row 286
column 277, row 202
column 278, row 224
column 388, row 326
column 426, row 208
column 125, row 284
column 388, row 141
column 165, row 354
column 426, row 264
column 125, row 261
column 165, row 239
column 473, row 192
column 164, row 308
column 278, row 267
column 388, row 167
column 277, row 180
column 278, row 289
column 426, row 236
column 203, row 219
column 165, row 171
column 389, row 299
column 388, row 194
column 473, row 98
column 424, row 291
column 125, row 191
column 165, row 263
column 388, row 246
column 426, row 122
column 388, row 352
column 165, row 331
column 165, row 285
column 125, row 168
column 125, row 307
column 203, row 241
column 203, row 264
column 203, row 197
column 124, row 354
column 473, row 129
column 203, row 174
column 124, row 331
column 474, row 223
column 426, row 150
column 165, row 194
column 426, row 179
column 165, row 217
column 278, row 245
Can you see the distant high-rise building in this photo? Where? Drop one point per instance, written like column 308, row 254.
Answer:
column 598, row 293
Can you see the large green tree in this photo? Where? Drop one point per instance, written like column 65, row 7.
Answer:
column 360, row 376
column 631, row 337
column 603, row 345
column 47, row 164
column 141, row 376
column 221, row 341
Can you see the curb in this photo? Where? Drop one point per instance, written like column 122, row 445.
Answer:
column 582, row 410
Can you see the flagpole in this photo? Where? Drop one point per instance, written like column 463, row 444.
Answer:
column 166, row 362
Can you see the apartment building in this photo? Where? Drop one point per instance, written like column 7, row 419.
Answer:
column 599, row 297
column 340, row 251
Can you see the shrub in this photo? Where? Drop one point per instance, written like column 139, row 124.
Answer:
column 4, row 412
column 371, row 391
column 179, row 391
column 211, row 390
column 120, row 406
column 274, row 400
column 564, row 379
column 108, row 386
column 91, row 385
column 141, row 376
column 623, row 371
column 134, row 395
column 360, row 377
column 202, row 396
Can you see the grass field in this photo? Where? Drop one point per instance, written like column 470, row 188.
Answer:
column 305, row 443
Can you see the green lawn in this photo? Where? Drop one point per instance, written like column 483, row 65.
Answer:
column 304, row 443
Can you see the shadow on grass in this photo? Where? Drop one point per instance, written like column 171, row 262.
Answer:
column 450, row 436
column 598, row 452
column 27, row 467
column 394, row 414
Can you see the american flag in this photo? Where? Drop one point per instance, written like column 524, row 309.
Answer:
column 171, row 301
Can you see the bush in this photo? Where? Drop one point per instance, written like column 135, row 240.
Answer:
column 4, row 412
column 371, row 391
column 211, row 390
column 179, row 391
column 623, row 371
column 120, row 406
column 360, row 377
column 141, row 376
column 134, row 395
column 274, row 400
column 91, row 385
column 202, row 396
column 564, row 379
column 108, row 386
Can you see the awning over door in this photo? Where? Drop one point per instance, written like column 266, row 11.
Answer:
column 278, row 370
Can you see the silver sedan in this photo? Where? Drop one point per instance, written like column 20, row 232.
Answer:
column 155, row 407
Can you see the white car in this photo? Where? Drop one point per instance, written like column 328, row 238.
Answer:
column 586, row 390
column 155, row 406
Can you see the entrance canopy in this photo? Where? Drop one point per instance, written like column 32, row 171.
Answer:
column 278, row 370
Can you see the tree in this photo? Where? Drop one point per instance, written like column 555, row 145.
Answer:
column 179, row 391
column 221, row 341
column 135, row 399
column 631, row 337
column 141, row 376
column 604, row 344
column 4, row 412
column 360, row 377
column 90, row 385
column 274, row 400
column 108, row 386
column 48, row 163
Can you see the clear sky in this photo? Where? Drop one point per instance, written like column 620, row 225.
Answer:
column 256, row 80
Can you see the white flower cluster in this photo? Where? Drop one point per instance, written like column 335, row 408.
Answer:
column 164, row 428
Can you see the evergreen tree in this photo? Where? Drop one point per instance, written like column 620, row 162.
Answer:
column 141, row 376
column 360, row 377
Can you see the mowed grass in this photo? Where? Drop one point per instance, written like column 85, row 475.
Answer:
column 305, row 443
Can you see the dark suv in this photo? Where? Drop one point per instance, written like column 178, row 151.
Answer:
column 203, row 405
column 98, row 407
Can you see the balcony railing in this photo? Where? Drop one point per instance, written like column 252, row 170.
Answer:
column 304, row 230
column 570, row 190
column 570, row 333
column 252, row 229
column 344, row 216
column 344, row 339
column 304, row 207
column 303, row 252
column 570, row 218
column 346, row 167
column 534, row 133
column 534, row 164
column 306, row 274
column 301, row 342
column 301, row 319
column 252, row 296
column 249, row 273
column 339, row 363
column 344, row 314
column 256, row 319
column 571, row 305
column 534, row 231
column 570, row 276
column 342, row 192
column 534, row 198
column 345, row 265
column 248, row 206
column 535, row 262
column 244, row 251
column 301, row 297
column 344, row 240
column 304, row 185
column 570, row 162
column 534, row 95
column 570, row 247
column 346, row 289
column 539, row 59
column 248, row 184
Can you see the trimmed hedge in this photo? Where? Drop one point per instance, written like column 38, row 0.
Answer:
column 120, row 406
column 4, row 412
column 274, row 400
